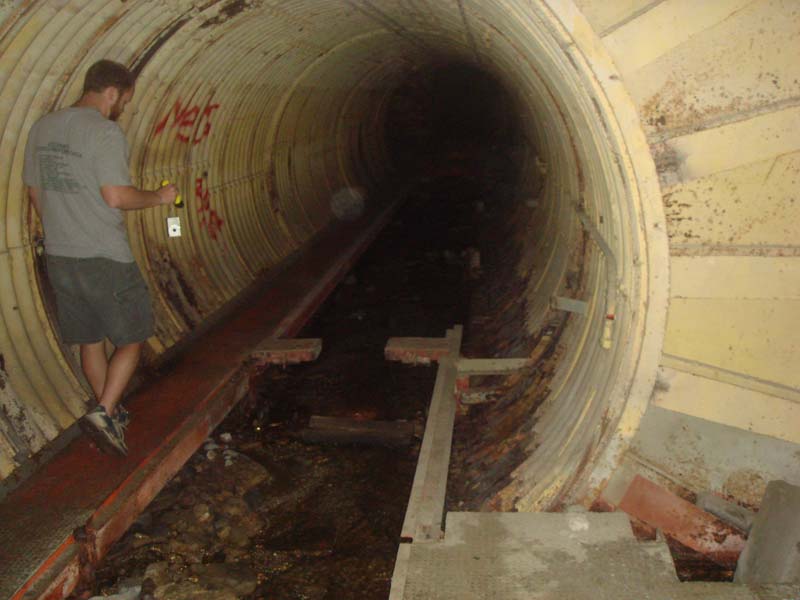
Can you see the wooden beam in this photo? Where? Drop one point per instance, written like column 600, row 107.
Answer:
column 454, row 337
column 472, row 396
column 335, row 430
column 416, row 350
column 682, row 520
column 281, row 352
column 425, row 513
column 490, row 366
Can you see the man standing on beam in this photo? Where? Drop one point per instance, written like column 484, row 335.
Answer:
column 76, row 173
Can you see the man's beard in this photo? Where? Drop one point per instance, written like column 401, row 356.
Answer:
column 116, row 110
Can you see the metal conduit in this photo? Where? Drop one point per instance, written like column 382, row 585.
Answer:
column 262, row 110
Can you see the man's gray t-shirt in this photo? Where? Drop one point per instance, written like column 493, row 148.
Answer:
column 70, row 154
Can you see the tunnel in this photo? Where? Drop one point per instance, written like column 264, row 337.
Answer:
column 648, row 227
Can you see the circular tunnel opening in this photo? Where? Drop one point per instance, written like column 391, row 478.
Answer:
column 458, row 121
column 559, row 254
column 264, row 113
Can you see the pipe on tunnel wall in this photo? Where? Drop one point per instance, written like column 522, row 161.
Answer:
column 261, row 111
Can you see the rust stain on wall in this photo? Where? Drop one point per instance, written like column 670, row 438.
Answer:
column 154, row 46
column 227, row 12
column 176, row 289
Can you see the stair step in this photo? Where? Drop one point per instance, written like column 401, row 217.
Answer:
column 553, row 530
column 621, row 570
column 552, row 556
column 537, row 555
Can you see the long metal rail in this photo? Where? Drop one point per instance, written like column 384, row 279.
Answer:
column 68, row 514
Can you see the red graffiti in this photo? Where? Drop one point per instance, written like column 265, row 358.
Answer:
column 191, row 123
column 209, row 218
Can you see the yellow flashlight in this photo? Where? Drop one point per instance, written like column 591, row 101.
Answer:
column 178, row 199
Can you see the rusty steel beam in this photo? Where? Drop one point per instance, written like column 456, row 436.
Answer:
column 172, row 418
column 682, row 520
column 282, row 352
column 417, row 350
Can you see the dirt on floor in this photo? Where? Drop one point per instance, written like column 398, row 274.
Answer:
column 259, row 513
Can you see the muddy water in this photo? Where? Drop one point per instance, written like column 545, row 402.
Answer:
column 258, row 513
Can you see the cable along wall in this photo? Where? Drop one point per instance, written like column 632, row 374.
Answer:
column 262, row 111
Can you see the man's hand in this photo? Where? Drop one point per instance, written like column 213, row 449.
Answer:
column 127, row 197
column 168, row 193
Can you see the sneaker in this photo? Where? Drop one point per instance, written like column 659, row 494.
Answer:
column 104, row 431
column 122, row 417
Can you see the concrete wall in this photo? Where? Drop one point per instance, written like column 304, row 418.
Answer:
column 718, row 98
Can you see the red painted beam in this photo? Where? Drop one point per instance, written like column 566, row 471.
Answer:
column 284, row 352
column 172, row 416
column 416, row 350
column 683, row 521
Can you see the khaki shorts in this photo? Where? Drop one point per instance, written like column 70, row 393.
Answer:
column 99, row 298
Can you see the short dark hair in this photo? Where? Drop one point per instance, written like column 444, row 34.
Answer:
column 107, row 73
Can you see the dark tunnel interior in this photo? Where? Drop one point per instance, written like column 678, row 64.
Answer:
column 332, row 513
column 556, row 177
column 446, row 113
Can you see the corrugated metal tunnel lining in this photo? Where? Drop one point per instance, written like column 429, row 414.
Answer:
column 262, row 111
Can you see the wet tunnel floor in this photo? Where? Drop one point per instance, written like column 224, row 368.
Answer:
column 258, row 513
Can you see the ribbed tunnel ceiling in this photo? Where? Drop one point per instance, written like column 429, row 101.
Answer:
column 261, row 111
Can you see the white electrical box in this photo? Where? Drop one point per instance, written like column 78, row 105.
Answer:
column 174, row 226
